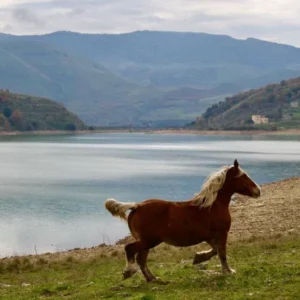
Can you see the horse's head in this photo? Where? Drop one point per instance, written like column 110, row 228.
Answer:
column 241, row 183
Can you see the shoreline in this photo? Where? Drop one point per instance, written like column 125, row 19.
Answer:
column 251, row 219
column 226, row 132
column 158, row 131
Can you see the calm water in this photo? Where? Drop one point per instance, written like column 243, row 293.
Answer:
column 53, row 188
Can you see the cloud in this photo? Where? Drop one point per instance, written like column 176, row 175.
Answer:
column 23, row 15
column 6, row 28
column 76, row 11
column 273, row 20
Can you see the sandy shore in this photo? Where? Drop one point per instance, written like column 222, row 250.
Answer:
column 226, row 132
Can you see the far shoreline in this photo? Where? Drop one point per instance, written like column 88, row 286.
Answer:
column 226, row 132
column 156, row 131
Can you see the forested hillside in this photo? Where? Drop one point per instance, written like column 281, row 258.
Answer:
column 280, row 103
column 27, row 113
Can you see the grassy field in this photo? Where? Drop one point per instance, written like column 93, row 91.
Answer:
column 266, row 269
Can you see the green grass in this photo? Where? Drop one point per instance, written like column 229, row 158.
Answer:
column 296, row 115
column 266, row 269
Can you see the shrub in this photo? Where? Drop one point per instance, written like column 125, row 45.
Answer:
column 7, row 112
column 70, row 127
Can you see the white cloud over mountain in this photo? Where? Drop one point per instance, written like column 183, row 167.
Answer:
column 273, row 20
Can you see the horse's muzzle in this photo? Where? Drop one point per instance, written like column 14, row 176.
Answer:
column 256, row 192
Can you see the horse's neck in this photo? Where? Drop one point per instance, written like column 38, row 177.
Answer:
column 224, row 195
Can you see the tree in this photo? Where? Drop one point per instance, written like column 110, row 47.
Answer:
column 70, row 126
column 249, row 121
column 271, row 98
column 283, row 82
column 2, row 120
column 7, row 126
column 7, row 112
column 17, row 119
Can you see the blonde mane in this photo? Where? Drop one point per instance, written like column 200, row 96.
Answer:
column 211, row 187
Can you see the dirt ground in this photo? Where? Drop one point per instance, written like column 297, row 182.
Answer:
column 276, row 212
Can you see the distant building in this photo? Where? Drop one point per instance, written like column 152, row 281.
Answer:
column 259, row 119
column 294, row 104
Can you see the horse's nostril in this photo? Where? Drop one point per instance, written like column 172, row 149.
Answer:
column 257, row 193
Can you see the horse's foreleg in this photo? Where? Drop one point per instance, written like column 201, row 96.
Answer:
column 205, row 255
column 142, row 261
column 221, row 248
column 131, row 267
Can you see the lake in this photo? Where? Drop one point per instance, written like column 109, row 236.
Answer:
column 53, row 187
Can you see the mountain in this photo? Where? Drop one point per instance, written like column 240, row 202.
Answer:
column 280, row 103
column 26, row 113
column 176, row 59
column 165, row 78
column 88, row 88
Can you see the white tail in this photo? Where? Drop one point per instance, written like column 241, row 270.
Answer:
column 118, row 209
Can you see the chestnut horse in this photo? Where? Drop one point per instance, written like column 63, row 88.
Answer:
column 205, row 217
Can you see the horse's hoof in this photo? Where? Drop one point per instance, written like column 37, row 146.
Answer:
column 199, row 258
column 229, row 271
column 127, row 273
column 232, row 271
column 158, row 280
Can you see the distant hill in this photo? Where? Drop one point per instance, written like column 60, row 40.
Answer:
column 176, row 59
column 278, row 102
column 88, row 88
column 27, row 113
column 141, row 77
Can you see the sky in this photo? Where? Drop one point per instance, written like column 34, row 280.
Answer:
column 272, row 20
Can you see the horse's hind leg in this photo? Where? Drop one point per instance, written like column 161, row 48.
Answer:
column 205, row 255
column 131, row 267
column 142, row 261
column 142, row 251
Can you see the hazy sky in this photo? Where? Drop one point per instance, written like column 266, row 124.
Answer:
column 273, row 20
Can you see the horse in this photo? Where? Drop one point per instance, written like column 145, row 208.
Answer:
column 204, row 218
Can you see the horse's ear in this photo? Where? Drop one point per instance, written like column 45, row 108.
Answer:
column 236, row 164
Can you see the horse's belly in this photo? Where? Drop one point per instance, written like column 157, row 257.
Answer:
column 185, row 239
column 185, row 243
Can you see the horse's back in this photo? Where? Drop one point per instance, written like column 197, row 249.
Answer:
column 151, row 208
column 149, row 218
column 159, row 207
